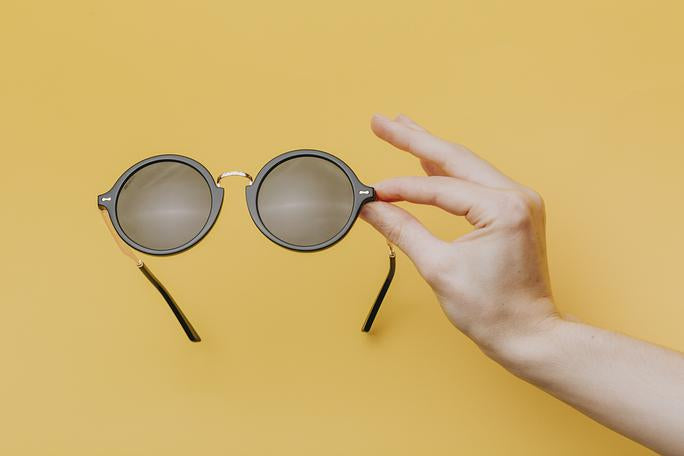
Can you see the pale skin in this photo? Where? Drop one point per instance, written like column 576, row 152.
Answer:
column 493, row 284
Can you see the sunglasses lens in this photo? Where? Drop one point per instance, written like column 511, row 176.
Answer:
column 305, row 201
column 164, row 205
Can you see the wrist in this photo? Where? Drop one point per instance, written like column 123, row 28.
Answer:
column 527, row 350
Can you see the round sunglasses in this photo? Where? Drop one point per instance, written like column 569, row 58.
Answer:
column 304, row 200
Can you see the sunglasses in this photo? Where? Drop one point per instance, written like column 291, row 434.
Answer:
column 303, row 200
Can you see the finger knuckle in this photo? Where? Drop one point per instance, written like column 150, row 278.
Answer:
column 535, row 199
column 518, row 209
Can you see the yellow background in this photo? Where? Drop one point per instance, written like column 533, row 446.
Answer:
column 581, row 100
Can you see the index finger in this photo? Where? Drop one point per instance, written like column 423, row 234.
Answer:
column 455, row 160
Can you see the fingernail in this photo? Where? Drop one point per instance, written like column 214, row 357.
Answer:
column 380, row 117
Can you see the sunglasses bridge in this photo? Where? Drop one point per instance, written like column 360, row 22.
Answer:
column 234, row 173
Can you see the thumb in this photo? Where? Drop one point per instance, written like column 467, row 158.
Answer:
column 403, row 230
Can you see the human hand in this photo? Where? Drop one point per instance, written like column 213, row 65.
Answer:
column 493, row 283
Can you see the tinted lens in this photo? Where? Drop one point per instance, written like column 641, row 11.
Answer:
column 305, row 201
column 164, row 205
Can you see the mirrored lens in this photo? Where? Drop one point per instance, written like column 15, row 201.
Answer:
column 164, row 205
column 305, row 201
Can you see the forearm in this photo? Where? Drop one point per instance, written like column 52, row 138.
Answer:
column 631, row 386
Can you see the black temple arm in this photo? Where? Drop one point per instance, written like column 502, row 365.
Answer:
column 182, row 319
column 187, row 327
column 383, row 291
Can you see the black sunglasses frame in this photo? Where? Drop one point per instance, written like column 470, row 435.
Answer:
column 109, row 202
column 362, row 194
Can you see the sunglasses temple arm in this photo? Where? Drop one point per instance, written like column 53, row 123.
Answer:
column 383, row 291
column 185, row 324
